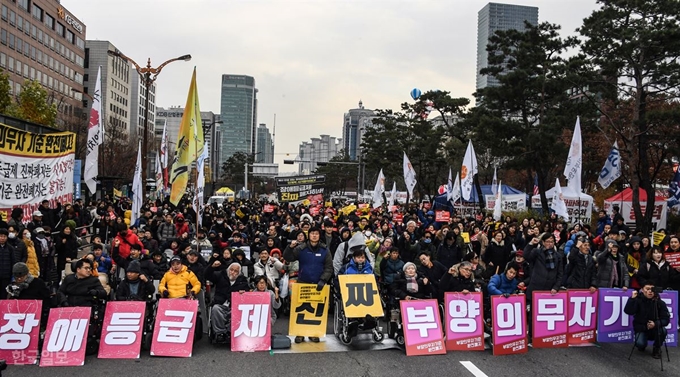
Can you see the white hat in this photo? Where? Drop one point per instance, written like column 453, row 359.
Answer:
column 37, row 213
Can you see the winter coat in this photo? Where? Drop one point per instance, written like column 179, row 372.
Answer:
column 7, row 261
column 448, row 255
column 351, row 268
column 145, row 263
column 32, row 258
column 542, row 278
column 499, row 284
column 36, row 290
column 166, row 232
column 498, row 254
column 643, row 310
column 661, row 275
column 433, row 274
column 313, row 262
column 19, row 249
column 145, row 290
column 271, row 269
column 76, row 292
column 126, row 243
column 398, row 288
column 459, row 283
column 68, row 249
column 389, row 269
column 198, row 269
column 605, row 264
column 223, row 287
column 176, row 283
column 581, row 270
column 344, row 252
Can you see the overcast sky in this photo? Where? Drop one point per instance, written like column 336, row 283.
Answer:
column 312, row 60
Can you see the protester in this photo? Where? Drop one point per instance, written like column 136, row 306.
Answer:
column 505, row 283
column 546, row 265
column 178, row 281
column 612, row 271
column 136, row 286
column 226, row 282
column 262, row 285
column 650, row 318
column 7, row 260
column 80, row 288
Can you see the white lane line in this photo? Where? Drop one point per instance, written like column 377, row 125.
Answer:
column 473, row 369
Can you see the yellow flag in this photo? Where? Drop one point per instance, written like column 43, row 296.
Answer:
column 658, row 238
column 189, row 143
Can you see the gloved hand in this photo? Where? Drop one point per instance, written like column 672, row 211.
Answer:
column 506, row 295
column 165, row 294
column 320, row 285
column 192, row 295
column 64, row 304
column 93, row 292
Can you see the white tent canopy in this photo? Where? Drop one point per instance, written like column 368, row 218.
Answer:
column 579, row 205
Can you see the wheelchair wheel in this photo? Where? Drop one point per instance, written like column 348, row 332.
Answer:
column 146, row 341
column 198, row 330
column 345, row 339
column 337, row 321
column 400, row 340
column 378, row 336
column 91, row 347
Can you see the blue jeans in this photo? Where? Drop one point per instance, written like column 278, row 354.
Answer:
column 641, row 338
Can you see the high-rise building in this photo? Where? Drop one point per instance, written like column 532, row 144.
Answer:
column 115, row 84
column 265, row 146
column 238, row 111
column 138, row 106
column 173, row 117
column 494, row 17
column 41, row 40
column 319, row 149
column 355, row 123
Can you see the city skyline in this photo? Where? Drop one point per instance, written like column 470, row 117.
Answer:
column 310, row 65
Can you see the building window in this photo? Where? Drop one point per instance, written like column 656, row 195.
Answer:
column 69, row 36
column 23, row 4
column 34, row 31
column 3, row 36
column 27, row 49
column 11, row 41
column 3, row 60
column 10, row 64
column 37, row 12
column 80, row 43
column 5, row 11
column 49, row 21
column 20, row 23
column 19, row 44
column 12, row 17
column 27, row 27
column 60, row 29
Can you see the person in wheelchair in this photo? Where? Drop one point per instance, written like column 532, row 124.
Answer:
column 175, row 282
column 226, row 282
column 136, row 286
column 409, row 285
column 358, row 265
column 262, row 285
column 458, row 278
column 81, row 288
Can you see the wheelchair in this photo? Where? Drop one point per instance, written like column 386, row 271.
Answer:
column 395, row 328
column 94, row 331
column 346, row 329
column 211, row 333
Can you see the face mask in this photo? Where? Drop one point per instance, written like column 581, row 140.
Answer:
column 220, row 221
column 40, row 235
column 427, row 240
column 27, row 236
column 368, row 233
column 12, row 235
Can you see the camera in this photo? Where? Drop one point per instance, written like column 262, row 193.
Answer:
column 657, row 290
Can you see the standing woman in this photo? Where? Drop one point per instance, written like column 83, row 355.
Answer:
column 66, row 247
column 497, row 254
column 31, row 256
column 656, row 270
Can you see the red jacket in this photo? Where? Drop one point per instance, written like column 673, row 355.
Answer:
column 125, row 243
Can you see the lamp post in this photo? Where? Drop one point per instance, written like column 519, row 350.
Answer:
column 148, row 75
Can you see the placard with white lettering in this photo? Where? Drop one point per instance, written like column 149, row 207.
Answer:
column 251, row 321
column 66, row 337
column 582, row 317
column 422, row 327
column 550, row 320
column 19, row 331
column 122, row 331
column 463, row 321
column 509, row 324
column 613, row 325
column 173, row 333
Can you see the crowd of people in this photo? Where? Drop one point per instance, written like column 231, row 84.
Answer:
column 241, row 247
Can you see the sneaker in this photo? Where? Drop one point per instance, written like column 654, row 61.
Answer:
column 656, row 353
column 221, row 338
column 299, row 339
column 314, row 339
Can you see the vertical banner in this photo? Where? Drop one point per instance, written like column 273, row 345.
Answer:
column 122, row 330
column 173, row 333
column 77, row 178
column 550, row 320
column 65, row 338
column 671, row 300
column 308, row 310
column 422, row 329
column 582, row 317
column 613, row 325
column 19, row 331
column 463, row 322
column 251, row 321
column 509, row 324
column 360, row 296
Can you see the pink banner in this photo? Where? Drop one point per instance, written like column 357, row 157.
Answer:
column 66, row 337
column 173, row 333
column 251, row 321
column 422, row 330
column 464, row 325
column 19, row 331
column 549, row 320
column 122, row 331
column 509, row 324
column 582, row 311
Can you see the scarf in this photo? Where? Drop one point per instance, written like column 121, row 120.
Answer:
column 412, row 284
column 360, row 266
column 44, row 246
column 550, row 259
column 614, row 278
column 134, row 287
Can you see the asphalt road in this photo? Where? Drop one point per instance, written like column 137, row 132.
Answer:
column 208, row 360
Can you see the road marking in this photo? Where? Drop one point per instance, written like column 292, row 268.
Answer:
column 473, row 369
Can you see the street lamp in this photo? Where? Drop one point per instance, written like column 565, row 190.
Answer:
column 148, row 74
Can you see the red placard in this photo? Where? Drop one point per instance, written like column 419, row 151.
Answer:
column 398, row 217
column 422, row 327
column 442, row 216
column 463, row 321
column 122, row 331
column 314, row 211
column 65, row 338
column 549, row 320
column 268, row 208
column 173, row 333
column 509, row 324
column 673, row 259
column 363, row 205
column 19, row 331
column 582, row 317
column 251, row 321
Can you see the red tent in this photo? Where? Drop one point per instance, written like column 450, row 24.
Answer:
column 627, row 195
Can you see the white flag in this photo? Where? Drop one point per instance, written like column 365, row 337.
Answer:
column 137, row 197
column 164, row 146
column 497, row 213
column 159, row 177
column 449, row 186
column 612, row 167
column 200, row 184
column 393, row 196
column 379, row 190
column 455, row 193
column 409, row 176
column 494, row 182
column 468, row 171
column 558, row 204
column 572, row 170
column 94, row 136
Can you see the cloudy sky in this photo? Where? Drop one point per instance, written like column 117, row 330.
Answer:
column 312, row 60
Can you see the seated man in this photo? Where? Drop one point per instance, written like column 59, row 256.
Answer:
column 28, row 287
column 81, row 288
column 146, row 264
column 505, row 283
column 650, row 318
column 391, row 267
column 175, row 282
column 226, row 282
column 136, row 286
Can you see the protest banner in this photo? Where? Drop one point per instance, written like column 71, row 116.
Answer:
column 549, row 319
column 65, row 338
column 297, row 188
column 308, row 310
column 442, row 216
column 613, row 325
column 360, row 296
column 122, row 330
column 464, row 322
column 20, row 331
column 422, row 327
column 250, row 321
column 509, row 324
column 173, row 333
column 582, row 317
